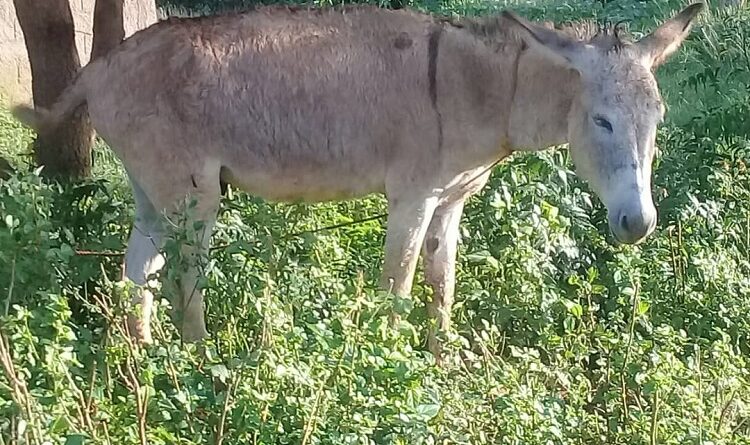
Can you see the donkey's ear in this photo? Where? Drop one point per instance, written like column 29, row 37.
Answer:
column 556, row 45
column 660, row 44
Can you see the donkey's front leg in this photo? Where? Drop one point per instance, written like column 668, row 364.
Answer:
column 439, row 254
column 408, row 218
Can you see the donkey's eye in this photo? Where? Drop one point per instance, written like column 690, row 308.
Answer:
column 604, row 123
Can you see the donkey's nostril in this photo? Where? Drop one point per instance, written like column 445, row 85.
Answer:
column 624, row 223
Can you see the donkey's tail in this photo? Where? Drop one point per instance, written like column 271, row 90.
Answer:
column 44, row 120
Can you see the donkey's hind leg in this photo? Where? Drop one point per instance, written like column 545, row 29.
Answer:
column 190, row 311
column 160, row 196
column 142, row 259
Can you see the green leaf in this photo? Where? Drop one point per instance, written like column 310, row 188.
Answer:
column 577, row 310
column 402, row 305
column 75, row 439
column 643, row 307
column 573, row 307
column 220, row 372
column 59, row 425
column 428, row 411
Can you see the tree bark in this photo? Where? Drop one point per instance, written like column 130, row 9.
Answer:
column 109, row 28
column 49, row 33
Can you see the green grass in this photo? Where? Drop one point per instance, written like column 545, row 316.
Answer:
column 565, row 339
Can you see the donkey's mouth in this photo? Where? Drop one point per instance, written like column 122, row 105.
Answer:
column 631, row 238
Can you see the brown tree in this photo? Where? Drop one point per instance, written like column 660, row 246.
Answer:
column 49, row 33
column 48, row 30
column 109, row 27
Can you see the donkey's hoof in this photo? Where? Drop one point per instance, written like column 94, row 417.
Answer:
column 446, row 359
column 438, row 355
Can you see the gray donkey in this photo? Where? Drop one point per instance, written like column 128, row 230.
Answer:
column 326, row 104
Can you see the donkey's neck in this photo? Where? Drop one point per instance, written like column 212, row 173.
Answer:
column 543, row 91
column 542, row 101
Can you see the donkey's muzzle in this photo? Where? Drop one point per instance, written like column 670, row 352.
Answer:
column 632, row 225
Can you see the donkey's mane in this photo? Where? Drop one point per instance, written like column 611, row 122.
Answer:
column 496, row 29
column 586, row 30
column 610, row 36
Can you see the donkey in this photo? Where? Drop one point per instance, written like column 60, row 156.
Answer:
column 325, row 104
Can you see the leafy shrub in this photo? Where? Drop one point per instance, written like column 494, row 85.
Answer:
column 562, row 338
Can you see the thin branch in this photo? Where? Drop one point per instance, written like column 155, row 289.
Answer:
column 225, row 411
column 628, row 350
column 654, row 419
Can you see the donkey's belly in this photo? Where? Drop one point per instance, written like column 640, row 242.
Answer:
column 305, row 184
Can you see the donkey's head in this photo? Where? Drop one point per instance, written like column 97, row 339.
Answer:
column 615, row 112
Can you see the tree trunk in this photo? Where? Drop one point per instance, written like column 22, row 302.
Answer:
column 109, row 29
column 47, row 27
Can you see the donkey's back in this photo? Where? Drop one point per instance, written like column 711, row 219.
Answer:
column 292, row 103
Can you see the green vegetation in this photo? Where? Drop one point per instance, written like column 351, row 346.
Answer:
column 564, row 338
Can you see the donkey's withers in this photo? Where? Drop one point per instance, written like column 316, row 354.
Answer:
column 320, row 104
